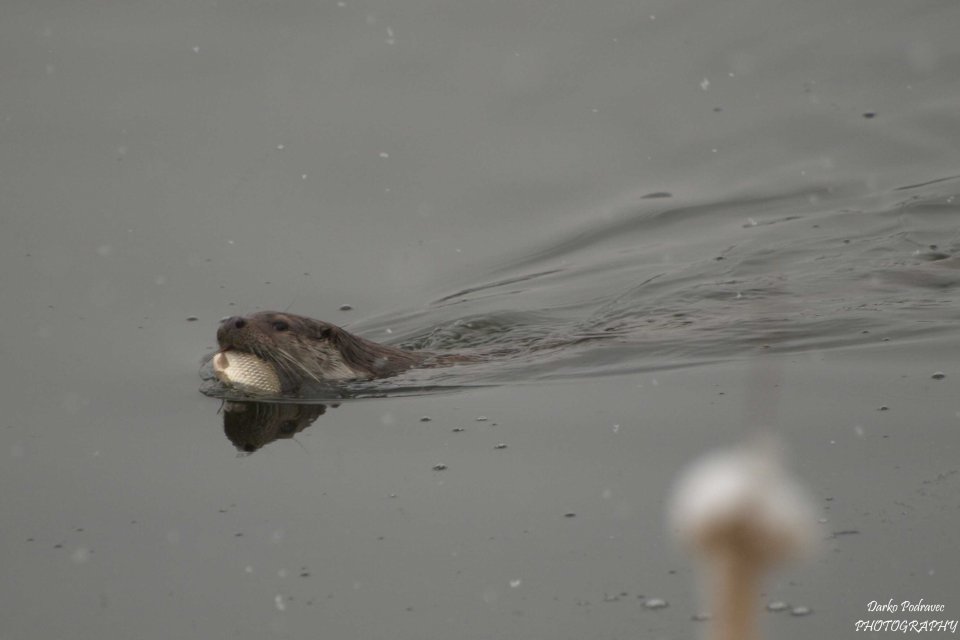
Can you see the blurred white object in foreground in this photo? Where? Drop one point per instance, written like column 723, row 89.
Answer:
column 742, row 514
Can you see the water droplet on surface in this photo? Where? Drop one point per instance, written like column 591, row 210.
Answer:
column 801, row 611
column 777, row 606
column 439, row 467
column 655, row 603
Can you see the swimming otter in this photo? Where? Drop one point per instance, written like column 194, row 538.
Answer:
column 302, row 349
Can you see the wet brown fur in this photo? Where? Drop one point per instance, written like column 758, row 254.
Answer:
column 303, row 349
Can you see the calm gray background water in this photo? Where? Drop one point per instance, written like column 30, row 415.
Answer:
column 472, row 176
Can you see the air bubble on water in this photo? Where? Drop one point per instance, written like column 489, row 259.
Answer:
column 281, row 147
column 515, row 583
column 196, row 49
column 426, row 419
column 751, row 222
column 859, row 430
column 388, row 331
column 481, row 418
column 616, row 428
column 278, row 600
column 704, row 84
column 248, row 569
column 277, row 535
column 500, row 445
column 655, row 603
column 390, row 38
column 777, row 606
column 384, row 154
column 282, row 573
column 801, row 611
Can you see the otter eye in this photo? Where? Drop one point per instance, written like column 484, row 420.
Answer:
column 280, row 325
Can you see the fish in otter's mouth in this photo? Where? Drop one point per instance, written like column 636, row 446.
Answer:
column 272, row 352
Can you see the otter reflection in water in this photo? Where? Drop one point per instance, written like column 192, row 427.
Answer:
column 292, row 350
column 252, row 425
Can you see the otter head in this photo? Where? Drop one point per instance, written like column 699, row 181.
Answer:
column 302, row 349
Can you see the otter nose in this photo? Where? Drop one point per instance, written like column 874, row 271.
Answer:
column 234, row 322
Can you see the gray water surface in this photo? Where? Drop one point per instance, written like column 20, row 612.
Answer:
column 665, row 225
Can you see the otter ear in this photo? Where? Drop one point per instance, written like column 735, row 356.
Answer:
column 321, row 330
